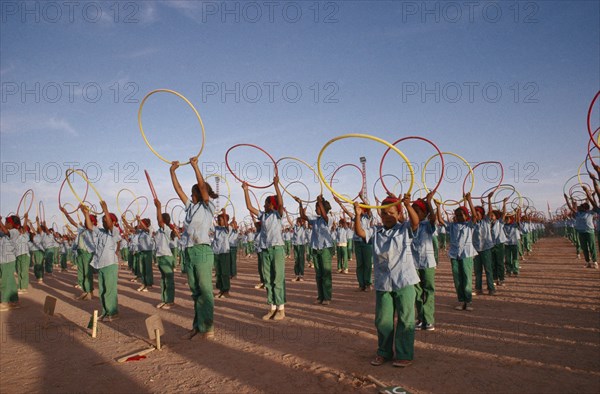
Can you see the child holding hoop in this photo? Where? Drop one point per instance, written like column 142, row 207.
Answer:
column 584, row 225
column 20, row 240
column 321, row 245
column 220, row 246
column 483, row 243
column 9, row 297
column 164, row 257
column 298, row 237
column 273, row 249
column 145, row 250
column 395, row 277
column 85, row 247
column 198, row 223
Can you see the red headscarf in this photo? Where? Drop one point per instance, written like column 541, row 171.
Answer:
column 94, row 220
column 421, row 204
column 12, row 221
column 480, row 210
column 465, row 212
column 390, row 200
column 273, row 201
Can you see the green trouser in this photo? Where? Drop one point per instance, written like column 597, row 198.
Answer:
column 586, row 238
column 322, row 261
column 287, row 245
column 598, row 237
column 260, row 267
column 350, row 247
column 425, row 295
column 175, row 254
column 342, row 257
column 233, row 260
column 200, row 281
column 462, row 273
column 146, row 267
column 527, row 242
column 249, row 247
column 483, row 261
column 107, row 288
column 63, row 261
column 167, row 278
column 56, row 257
column 442, row 241
column 400, row 341
column 85, row 272
column 498, row 261
column 309, row 254
column 49, row 259
column 436, row 249
column 222, row 271
column 299, row 252
column 364, row 263
column 8, row 284
column 22, row 267
column 520, row 245
column 130, row 259
column 125, row 254
column 511, row 258
column 185, row 264
column 274, row 274
column 137, row 264
column 38, row 264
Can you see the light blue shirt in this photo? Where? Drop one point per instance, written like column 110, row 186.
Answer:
column 299, row 236
column 85, row 240
column 271, row 229
column 393, row 262
column 350, row 233
column 340, row 236
column 198, row 222
column 584, row 221
column 321, row 236
column 36, row 243
column 105, row 247
column 20, row 242
column 145, row 242
column 422, row 245
column 461, row 240
column 513, row 234
column 258, row 242
column 234, row 236
column 220, row 243
column 7, row 250
column 365, row 222
column 162, row 241
column 482, row 235
column 48, row 241
column 498, row 233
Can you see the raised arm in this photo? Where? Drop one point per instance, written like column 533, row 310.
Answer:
column 86, row 215
column 200, row 180
column 109, row 222
column 346, row 211
column 412, row 214
column 358, row 229
column 572, row 209
column 69, row 218
column 176, row 185
column 321, row 208
column 432, row 212
column 471, row 207
column 278, row 195
column 253, row 211
column 159, row 218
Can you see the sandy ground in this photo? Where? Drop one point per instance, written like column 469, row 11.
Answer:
column 541, row 333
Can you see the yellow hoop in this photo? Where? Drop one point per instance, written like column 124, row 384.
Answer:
column 142, row 128
column 579, row 171
column 75, row 209
column 458, row 157
column 369, row 137
column 134, row 197
column 226, row 184
column 85, row 178
column 311, row 168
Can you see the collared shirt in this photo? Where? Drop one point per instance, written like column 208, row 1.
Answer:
column 461, row 240
column 340, row 236
column 513, row 234
column 422, row 245
column 584, row 221
column 299, row 236
column 350, row 233
column 199, row 222
column 498, row 233
column 220, row 243
column 20, row 241
column 393, row 262
column 48, row 241
column 145, row 242
column 105, row 247
column 7, row 250
column 366, row 222
column 482, row 235
column 271, row 229
column 234, row 237
column 85, row 240
column 162, row 240
column 258, row 242
column 321, row 236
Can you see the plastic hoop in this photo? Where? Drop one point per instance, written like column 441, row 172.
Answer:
column 362, row 186
column 226, row 205
column 451, row 203
column 226, row 184
column 41, row 211
column 178, row 216
column 82, row 174
column 132, row 215
column 260, row 149
column 255, row 199
column 589, row 120
column 379, row 180
column 458, row 157
column 304, row 201
column 422, row 173
column 310, row 167
column 138, row 204
column 166, row 206
column 151, row 185
column 504, row 186
column 60, row 204
column 565, row 184
column 22, row 200
column 76, row 211
column 142, row 128
column 473, row 176
column 369, row 137
column 440, row 199
column 119, row 205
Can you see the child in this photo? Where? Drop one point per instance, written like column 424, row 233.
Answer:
column 395, row 277
column 85, row 248
column 483, row 243
column 342, row 246
column 9, row 297
column 105, row 260
column 36, row 250
column 321, row 245
column 425, row 262
column 273, row 252
column 164, row 257
column 220, row 246
column 461, row 253
column 497, row 219
column 513, row 236
column 198, row 224
column 234, row 238
column 584, row 226
column 145, row 247
column 20, row 240
column 298, row 238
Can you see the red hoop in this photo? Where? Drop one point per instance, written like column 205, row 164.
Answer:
column 589, row 154
column 473, row 171
column 589, row 119
column 28, row 191
column 87, row 187
column 349, row 165
column 423, row 174
column 140, row 214
column 260, row 149
column 151, row 185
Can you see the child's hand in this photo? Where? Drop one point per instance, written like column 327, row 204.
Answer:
column 357, row 209
column 276, row 180
column 245, row 186
column 174, row 165
column 157, row 203
column 194, row 161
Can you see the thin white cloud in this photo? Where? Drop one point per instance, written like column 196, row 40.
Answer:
column 13, row 124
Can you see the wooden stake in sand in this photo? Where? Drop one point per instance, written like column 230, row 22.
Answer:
column 95, row 324
column 385, row 389
column 155, row 330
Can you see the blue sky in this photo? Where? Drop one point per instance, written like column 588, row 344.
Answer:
column 501, row 81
